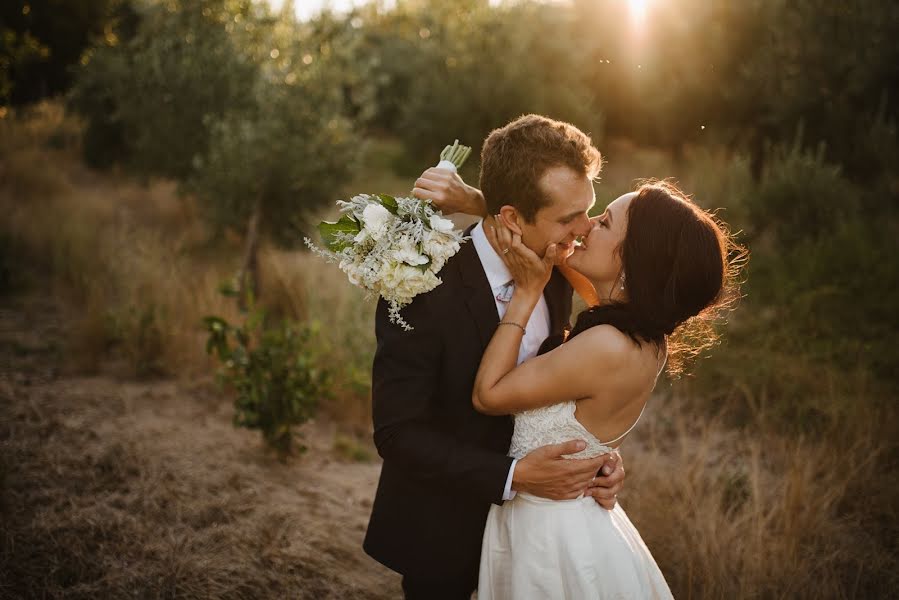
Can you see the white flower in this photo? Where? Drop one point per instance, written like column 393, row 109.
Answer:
column 440, row 247
column 352, row 272
column 375, row 218
column 407, row 252
column 405, row 282
column 440, row 224
column 395, row 255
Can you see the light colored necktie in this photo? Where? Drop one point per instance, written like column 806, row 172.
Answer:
column 505, row 293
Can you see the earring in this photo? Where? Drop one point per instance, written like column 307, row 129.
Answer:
column 622, row 281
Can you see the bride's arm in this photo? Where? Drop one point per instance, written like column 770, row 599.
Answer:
column 569, row 372
column 449, row 194
column 566, row 373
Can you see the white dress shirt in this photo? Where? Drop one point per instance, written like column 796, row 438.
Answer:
column 537, row 327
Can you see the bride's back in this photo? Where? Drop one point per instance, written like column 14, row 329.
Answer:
column 623, row 387
column 625, row 377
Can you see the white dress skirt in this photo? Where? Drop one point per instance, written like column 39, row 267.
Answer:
column 535, row 548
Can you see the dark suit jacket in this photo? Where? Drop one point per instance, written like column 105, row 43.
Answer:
column 444, row 462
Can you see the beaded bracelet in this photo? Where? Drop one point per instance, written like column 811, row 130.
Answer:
column 523, row 330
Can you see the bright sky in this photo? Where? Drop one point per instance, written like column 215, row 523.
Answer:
column 308, row 8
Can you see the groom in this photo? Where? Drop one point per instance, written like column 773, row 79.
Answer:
column 445, row 463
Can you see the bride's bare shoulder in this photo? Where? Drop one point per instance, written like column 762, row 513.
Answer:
column 606, row 342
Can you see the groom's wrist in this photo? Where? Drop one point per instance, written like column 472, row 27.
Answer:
column 476, row 201
column 519, row 477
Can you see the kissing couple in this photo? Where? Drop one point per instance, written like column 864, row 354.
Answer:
column 498, row 423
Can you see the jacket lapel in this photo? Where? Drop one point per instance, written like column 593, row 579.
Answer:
column 479, row 298
column 482, row 305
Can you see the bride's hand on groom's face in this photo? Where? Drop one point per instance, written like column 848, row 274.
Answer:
column 530, row 272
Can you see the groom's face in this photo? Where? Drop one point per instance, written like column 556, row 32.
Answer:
column 564, row 218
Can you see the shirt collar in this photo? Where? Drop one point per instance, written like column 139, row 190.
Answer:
column 498, row 273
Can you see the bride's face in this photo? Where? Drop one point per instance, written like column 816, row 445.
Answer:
column 597, row 257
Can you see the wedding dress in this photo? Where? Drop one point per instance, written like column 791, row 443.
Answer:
column 535, row 548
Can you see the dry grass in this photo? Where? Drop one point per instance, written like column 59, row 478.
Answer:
column 747, row 513
column 732, row 502
column 139, row 263
column 112, row 489
column 128, row 256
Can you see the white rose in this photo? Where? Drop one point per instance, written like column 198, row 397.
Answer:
column 431, row 239
column 388, row 274
column 407, row 252
column 416, row 281
column 405, row 282
column 436, row 264
column 428, row 281
column 375, row 217
column 392, row 276
column 351, row 270
column 440, row 248
column 441, row 224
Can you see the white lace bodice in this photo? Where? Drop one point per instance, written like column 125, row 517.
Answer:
column 552, row 425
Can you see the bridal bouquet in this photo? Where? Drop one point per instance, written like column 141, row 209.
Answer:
column 390, row 246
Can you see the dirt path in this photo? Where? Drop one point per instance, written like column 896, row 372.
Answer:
column 112, row 488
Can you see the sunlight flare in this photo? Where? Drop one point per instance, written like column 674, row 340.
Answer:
column 638, row 10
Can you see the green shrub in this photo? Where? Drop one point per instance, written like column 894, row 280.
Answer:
column 274, row 371
column 820, row 291
column 800, row 195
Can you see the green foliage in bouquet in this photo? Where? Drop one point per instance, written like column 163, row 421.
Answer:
column 274, row 372
column 330, row 231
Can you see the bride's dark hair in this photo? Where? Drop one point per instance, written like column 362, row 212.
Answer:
column 679, row 267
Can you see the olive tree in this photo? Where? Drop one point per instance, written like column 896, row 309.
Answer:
column 244, row 108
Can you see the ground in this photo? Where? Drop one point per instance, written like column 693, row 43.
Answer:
column 115, row 487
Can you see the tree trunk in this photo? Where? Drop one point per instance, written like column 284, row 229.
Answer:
column 249, row 271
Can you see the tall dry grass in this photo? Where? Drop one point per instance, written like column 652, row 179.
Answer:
column 139, row 267
column 127, row 258
column 750, row 513
column 733, row 498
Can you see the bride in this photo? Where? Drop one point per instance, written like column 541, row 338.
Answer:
column 659, row 264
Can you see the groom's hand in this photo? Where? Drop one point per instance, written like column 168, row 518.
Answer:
column 449, row 194
column 609, row 481
column 545, row 473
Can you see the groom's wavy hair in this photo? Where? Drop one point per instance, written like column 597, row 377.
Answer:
column 681, row 268
column 515, row 157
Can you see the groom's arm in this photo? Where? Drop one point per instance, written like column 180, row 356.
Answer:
column 405, row 376
column 449, row 194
